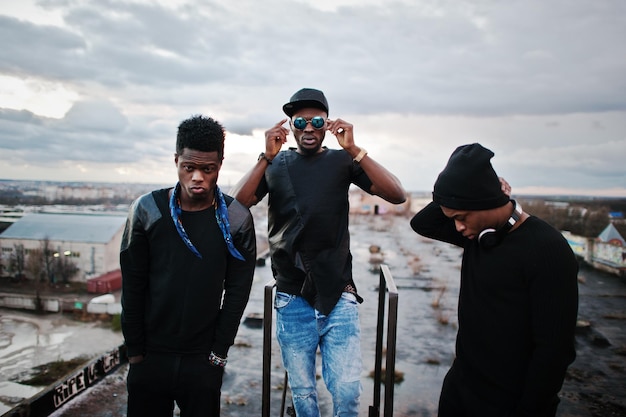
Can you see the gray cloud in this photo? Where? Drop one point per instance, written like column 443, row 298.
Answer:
column 138, row 68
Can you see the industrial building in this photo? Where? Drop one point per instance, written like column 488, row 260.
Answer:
column 90, row 241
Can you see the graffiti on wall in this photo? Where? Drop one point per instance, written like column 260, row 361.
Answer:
column 612, row 255
column 602, row 255
column 577, row 243
column 63, row 391
column 83, row 379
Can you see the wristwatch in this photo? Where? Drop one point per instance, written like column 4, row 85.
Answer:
column 263, row 156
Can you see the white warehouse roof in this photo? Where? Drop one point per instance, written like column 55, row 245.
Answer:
column 88, row 228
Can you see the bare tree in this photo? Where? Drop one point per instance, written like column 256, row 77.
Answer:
column 579, row 219
column 596, row 222
column 48, row 258
column 35, row 267
column 35, row 264
column 16, row 262
column 64, row 267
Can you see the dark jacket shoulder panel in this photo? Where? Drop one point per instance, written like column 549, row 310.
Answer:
column 144, row 211
column 241, row 226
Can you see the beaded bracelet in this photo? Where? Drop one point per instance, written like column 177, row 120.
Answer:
column 216, row 360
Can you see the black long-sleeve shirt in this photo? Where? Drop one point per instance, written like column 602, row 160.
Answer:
column 517, row 311
column 173, row 301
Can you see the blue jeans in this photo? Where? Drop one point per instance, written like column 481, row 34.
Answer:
column 300, row 329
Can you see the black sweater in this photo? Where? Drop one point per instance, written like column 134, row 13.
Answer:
column 517, row 312
column 171, row 299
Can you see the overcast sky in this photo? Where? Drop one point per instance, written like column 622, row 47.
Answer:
column 94, row 90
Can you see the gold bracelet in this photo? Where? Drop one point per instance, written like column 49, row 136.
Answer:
column 360, row 155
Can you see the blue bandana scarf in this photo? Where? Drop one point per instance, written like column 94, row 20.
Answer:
column 221, row 214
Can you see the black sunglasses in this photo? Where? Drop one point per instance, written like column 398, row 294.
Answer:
column 317, row 122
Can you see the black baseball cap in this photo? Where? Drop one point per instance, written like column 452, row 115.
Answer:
column 305, row 98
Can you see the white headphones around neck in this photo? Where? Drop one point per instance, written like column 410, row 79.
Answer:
column 490, row 238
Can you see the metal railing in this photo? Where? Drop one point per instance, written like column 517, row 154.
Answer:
column 386, row 287
column 268, row 307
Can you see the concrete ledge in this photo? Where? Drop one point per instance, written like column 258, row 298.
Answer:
column 29, row 302
column 71, row 386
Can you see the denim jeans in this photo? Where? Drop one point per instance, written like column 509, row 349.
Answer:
column 300, row 329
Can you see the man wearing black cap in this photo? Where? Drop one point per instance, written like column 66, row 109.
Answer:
column 518, row 299
column 316, row 299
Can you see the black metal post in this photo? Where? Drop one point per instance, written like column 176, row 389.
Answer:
column 374, row 410
column 267, row 346
column 392, row 326
column 386, row 285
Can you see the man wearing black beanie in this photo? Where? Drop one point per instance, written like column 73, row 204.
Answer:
column 518, row 299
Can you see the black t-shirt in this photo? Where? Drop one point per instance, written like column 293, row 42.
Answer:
column 308, row 222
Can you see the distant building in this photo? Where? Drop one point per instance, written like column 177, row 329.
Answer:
column 76, row 192
column 419, row 200
column 8, row 216
column 90, row 241
column 364, row 203
column 613, row 235
column 606, row 252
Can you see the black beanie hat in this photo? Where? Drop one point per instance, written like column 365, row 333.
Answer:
column 468, row 182
column 304, row 98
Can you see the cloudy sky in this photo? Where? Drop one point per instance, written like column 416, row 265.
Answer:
column 93, row 90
